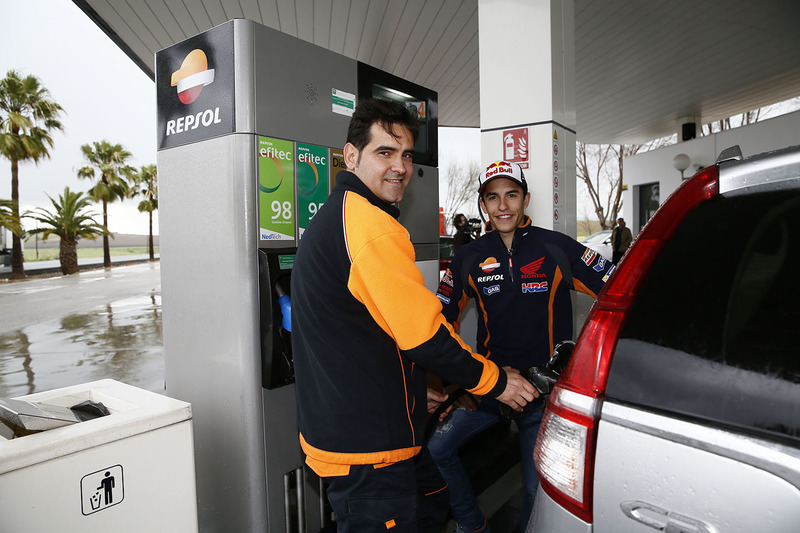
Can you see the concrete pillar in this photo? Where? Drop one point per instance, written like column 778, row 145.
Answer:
column 527, row 76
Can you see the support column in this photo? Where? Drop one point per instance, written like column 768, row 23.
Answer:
column 527, row 77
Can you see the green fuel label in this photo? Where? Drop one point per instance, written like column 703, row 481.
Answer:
column 276, row 189
column 312, row 182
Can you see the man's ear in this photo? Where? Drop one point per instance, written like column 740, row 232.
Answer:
column 350, row 156
column 483, row 206
column 527, row 200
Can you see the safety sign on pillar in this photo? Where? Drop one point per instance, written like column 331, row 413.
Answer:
column 558, row 173
column 515, row 147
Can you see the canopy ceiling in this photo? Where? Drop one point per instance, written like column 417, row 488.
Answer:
column 641, row 67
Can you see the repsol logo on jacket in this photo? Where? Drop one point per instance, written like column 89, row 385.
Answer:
column 493, row 277
column 534, row 287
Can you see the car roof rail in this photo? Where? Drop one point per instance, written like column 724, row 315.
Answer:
column 733, row 153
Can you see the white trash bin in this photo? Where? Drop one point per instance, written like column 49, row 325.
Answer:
column 129, row 471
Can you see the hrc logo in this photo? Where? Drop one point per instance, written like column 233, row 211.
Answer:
column 534, row 287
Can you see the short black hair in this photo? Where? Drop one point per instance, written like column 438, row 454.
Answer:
column 387, row 113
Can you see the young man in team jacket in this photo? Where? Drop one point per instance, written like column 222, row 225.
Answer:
column 365, row 331
column 520, row 276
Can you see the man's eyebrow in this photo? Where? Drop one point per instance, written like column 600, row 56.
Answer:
column 387, row 148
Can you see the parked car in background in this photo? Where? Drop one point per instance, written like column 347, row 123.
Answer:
column 600, row 242
column 680, row 409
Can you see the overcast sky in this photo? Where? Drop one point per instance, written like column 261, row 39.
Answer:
column 105, row 96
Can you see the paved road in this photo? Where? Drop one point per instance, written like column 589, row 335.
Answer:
column 67, row 330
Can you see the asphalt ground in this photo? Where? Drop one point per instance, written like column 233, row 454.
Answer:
column 101, row 323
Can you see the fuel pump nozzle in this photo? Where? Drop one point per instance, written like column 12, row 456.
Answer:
column 285, row 304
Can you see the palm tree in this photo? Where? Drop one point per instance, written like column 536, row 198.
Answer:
column 112, row 185
column 147, row 178
column 69, row 222
column 8, row 218
column 27, row 116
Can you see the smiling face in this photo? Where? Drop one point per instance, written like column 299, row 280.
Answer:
column 504, row 203
column 384, row 165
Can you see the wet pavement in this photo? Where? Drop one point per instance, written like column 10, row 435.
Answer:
column 67, row 330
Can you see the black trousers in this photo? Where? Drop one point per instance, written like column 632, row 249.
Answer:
column 406, row 497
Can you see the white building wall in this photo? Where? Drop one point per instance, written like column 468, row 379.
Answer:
column 656, row 166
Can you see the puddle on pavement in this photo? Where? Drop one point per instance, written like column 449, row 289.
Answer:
column 122, row 341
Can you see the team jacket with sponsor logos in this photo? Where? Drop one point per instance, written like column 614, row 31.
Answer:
column 522, row 296
column 364, row 331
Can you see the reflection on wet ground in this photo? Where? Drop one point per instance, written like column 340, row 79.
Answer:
column 121, row 340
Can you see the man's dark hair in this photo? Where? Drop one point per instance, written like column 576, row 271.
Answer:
column 384, row 112
column 459, row 218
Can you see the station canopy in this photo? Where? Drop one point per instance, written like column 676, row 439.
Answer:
column 641, row 68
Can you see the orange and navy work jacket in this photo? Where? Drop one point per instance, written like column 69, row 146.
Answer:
column 521, row 294
column 364, row 332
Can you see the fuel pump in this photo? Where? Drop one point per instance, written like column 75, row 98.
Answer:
column 248, row 149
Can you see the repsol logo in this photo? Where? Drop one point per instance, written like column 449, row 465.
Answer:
column 192, row 122
column 493, row 277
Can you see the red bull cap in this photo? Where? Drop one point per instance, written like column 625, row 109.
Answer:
column 502, row 169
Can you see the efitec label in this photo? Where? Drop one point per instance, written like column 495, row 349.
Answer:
column 312, row 182
column 275, row 189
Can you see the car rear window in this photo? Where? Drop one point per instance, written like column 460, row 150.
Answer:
column 712, row 334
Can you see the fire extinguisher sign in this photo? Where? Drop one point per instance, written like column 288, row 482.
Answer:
column 515, row 147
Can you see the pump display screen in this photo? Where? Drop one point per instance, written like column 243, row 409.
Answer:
column 374, row 83
column 418, row 107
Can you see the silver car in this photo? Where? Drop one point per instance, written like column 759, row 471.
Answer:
column 600, row 242
column 680, row 410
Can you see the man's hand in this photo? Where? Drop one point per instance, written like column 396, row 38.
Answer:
column 465, row 401
column 518, row 391
column 435, row 398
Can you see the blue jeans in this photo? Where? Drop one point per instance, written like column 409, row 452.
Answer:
column 458, row 429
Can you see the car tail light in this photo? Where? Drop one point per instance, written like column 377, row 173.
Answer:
column 565, row 447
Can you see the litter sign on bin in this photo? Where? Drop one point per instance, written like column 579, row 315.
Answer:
column 102, row 489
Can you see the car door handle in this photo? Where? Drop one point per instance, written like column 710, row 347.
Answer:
column 664, row 520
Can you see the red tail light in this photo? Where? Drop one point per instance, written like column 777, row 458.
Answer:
column 565, row 447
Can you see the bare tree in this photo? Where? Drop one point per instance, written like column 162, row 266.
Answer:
column 462, row 189
column 750, row 117
column 593, row 168
column 599, row 167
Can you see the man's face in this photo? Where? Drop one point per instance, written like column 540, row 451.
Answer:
column 504, row 203
column 621, row 223
column 384, row 165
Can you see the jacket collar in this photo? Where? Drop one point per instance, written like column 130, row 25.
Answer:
column 350, row 182
column 524, row 227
